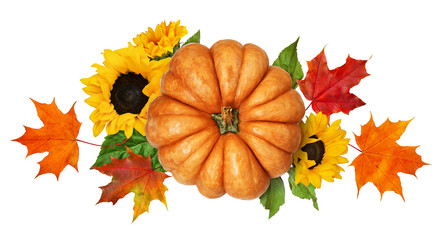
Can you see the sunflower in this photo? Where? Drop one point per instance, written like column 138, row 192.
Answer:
column 122, row 90
column 161, row 41
column 320, row 151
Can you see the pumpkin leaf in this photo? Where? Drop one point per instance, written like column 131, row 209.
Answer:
column 273, row 198
column 381, row 158
column 137, row 143
column 133, row 174
column 329, row 90
column 301, row 191
column 288, row 60
column 57, row 136
column 193, row 39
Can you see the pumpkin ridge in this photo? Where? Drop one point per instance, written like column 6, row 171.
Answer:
column 201, row 182
column 271, row 114
column 191, row 92
column 276, row 80
column 204, row 162
column 180, row 139
column 216, row 74
column 269, row 143
column 201, row 116
column 242, row 121
column 249, row 50
column 229, row 71
column 166, row 101
column 253, row 167
column 238, row 79
column 178, row 73
column 268, row 171
column 246, row 110
column 197, row 156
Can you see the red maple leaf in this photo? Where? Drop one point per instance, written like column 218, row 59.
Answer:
column 133, row 174
column 329, row 90
column 382, row 158
column 57, row 136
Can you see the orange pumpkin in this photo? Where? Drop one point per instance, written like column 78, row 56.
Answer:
column 226, row 120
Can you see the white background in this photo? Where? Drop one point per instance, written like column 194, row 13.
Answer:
column 46, row 47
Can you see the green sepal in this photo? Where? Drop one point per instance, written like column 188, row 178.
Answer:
column 137, row 143
column 288, row 60
column 193, row 39
column 300, row 190
column 273, row 198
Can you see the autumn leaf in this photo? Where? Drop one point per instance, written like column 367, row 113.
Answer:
column 57, row 136
column 382, row 158
column 329, row 90
column 133, row 174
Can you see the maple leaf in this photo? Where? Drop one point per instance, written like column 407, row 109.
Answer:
column 133, row 174
column 57, row 136
column 329, row 90
column 382, row 158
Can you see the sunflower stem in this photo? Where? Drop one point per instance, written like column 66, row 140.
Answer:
column 98, row 145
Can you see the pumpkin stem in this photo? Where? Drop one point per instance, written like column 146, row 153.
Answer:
column 227, row 120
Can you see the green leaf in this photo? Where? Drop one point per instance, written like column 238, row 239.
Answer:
column 288, row 60
column 301, row 190
column 273, row 198
column 193, row 39
column 137, row 143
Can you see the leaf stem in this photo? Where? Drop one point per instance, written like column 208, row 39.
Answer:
column 154, row 169
column 98, row 145
column 309, row 106
column 354, row 147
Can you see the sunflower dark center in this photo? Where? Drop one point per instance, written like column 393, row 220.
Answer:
column 315, row 151
column 126, row 95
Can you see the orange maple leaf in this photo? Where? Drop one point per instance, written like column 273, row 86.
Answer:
column 382, row 158
column 57, row 136
column 133, row 174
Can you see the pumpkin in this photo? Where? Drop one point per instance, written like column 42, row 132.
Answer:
column 226, row 121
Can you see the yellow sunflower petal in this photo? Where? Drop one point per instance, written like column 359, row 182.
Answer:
column 129, row 125
column 139, row 125
column 111, row 127
column 106, row 117
column 95, row 100
column 94, row 116
column 107, row 73
column 315, row 179
column 115, row 61
column 97, row 128
column 106, row 107
column 90, row 90
column 300, row 177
